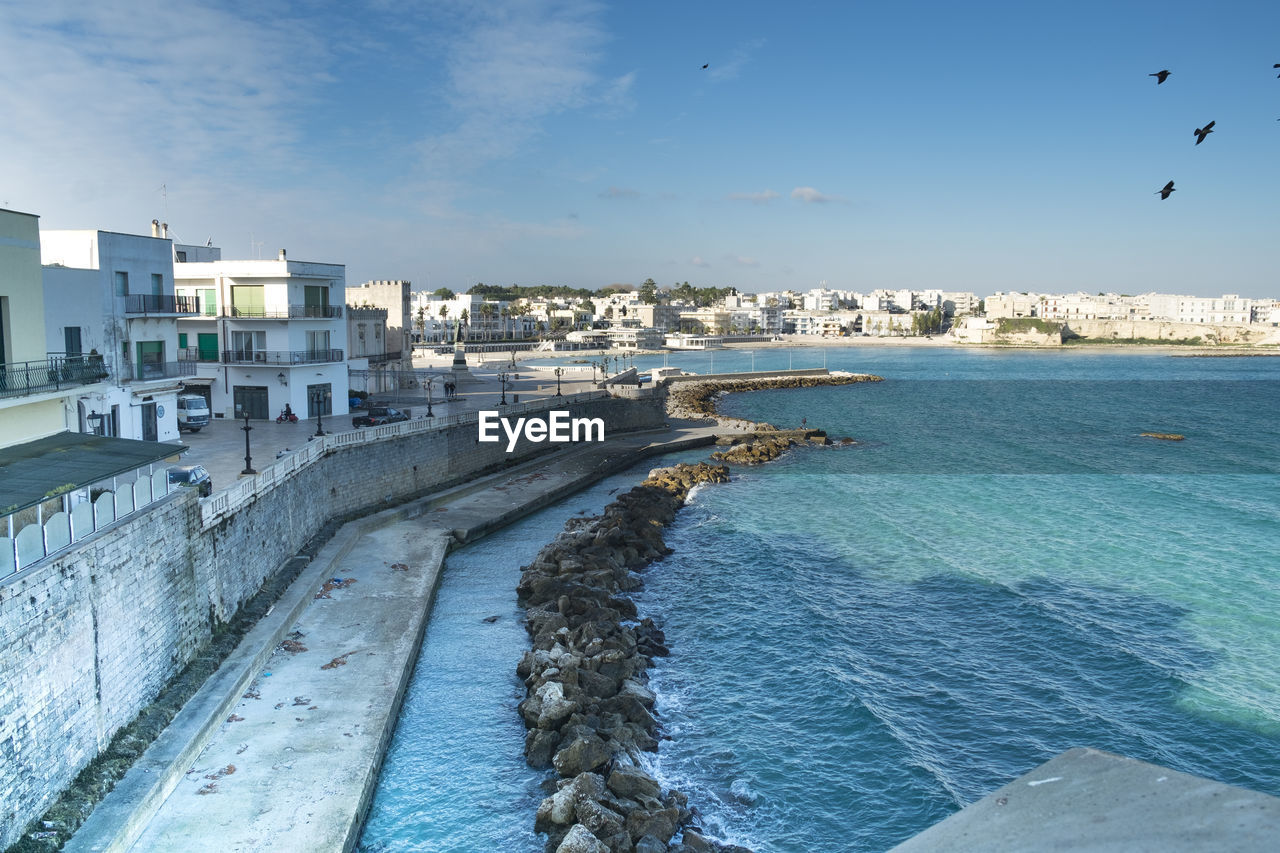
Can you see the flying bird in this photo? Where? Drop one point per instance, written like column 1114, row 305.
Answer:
column 1161, row 76
column 1164, row 193
column 1277, row 65
column 705, row 66
column 1202, row 132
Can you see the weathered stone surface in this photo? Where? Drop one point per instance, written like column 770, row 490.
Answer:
column 660, row 823
column 649, row 844
column 580, row 755
column 630, row 781
column 580, row 840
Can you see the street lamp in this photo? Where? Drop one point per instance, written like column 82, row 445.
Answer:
column 431, row 380
column 248, row 461
column 317, row 400
column 503, row 377
column 95, row 422
column 558, row 371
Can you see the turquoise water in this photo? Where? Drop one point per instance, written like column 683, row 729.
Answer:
column 866, row 639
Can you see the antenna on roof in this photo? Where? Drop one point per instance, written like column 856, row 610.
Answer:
column 164, row 193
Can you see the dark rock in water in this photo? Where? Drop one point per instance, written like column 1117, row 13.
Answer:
column 1164, row 436
column 539, row 746
column 492, row 619
column 693, row 842
column 661, row 824
column 649, row 844
column 581, row 755
column 629, row 781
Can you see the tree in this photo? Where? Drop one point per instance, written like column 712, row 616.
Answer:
column 444, row 313
column 443, row 293
column 421, row 323
column 486, row 314
column 649, row 292
column 465, row 319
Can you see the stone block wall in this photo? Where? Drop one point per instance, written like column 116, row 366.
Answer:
column 89, row 638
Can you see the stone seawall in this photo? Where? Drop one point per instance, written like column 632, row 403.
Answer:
column 89, row 638
column 697, row 399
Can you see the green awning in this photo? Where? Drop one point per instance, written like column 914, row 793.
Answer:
column 33, row 472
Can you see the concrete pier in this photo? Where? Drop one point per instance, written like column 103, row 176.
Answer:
column 282, row 747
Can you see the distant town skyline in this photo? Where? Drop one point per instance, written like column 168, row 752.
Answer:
column 985, row 148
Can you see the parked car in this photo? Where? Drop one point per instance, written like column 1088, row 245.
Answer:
column 194, row 476
column 379, row 415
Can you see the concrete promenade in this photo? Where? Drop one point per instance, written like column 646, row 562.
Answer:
column 281, row 748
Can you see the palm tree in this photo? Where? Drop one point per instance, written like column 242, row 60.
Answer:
column 486, row 314
column 506, row 316
column 444, row 313
column 422, row 324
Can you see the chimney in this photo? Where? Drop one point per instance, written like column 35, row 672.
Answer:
column 155, row 228
column 164, row 230
column 282, row 254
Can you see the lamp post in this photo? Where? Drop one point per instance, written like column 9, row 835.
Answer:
column 318, row 401
column 503, row 377
column 248, row 461
column 558, row 371
column 431, row 380
column 95, row 422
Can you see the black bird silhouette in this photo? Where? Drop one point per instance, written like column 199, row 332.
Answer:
column 706, row 65
column 1202, row 132
column 1277, row 65
column 1161, row 76
column 1164, row 193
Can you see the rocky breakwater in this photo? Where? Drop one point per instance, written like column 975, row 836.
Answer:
column 756, row 448
column 698, row 399
column 588, row 710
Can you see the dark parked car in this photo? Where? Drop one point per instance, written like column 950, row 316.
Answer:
column 379, row 415
column 192, row 475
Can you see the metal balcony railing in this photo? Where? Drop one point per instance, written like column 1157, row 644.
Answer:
column 320, row 356
column 145, row 303
column 292, row 312
column 382, row 357
column 21, row 378
column 158, row 370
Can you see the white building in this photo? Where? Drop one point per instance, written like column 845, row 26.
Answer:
column 267, row 333
column 112, row 295
column 394, row 298
column 1228, row 310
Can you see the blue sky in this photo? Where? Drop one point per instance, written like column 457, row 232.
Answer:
column 980, row 146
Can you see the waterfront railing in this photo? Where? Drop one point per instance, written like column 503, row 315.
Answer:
column 223, row 503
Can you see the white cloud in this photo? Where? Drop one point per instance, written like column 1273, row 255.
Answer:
column 744, row 261
column 755, row 198
column 699, row 262
column 738, row 58
column 809, row 195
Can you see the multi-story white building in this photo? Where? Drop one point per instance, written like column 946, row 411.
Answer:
column 1012, row 305
column 40, row 389
column 267, row 333
column 1228, row 310
column 112, row 295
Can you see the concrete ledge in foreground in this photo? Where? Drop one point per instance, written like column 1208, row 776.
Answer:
column 1086, row 799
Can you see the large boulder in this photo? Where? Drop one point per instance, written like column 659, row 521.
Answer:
column 582, row 754
column 630, row 782
column 580, row 840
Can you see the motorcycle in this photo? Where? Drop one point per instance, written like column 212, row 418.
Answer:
column 287, row 415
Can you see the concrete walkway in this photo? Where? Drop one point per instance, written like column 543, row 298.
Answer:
column 281, row 748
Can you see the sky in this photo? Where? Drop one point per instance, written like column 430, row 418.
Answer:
column 978, row 146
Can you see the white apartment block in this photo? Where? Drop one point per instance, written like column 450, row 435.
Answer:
column 267, row 333
column 112, row 296
column 1228, row 310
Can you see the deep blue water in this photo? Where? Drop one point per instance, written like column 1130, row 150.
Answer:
column 866, row 639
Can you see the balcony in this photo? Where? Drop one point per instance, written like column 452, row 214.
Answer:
column 143, row 304
column 158, row 370
column 292, row 312
column 381, row 357
column 320, row 356
column 23, row 378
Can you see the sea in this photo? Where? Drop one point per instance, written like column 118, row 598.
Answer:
column 865, row 639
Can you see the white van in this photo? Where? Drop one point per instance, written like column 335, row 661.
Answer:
column 193, row 412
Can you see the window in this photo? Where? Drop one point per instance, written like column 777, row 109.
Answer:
column 182, row 340
column 208, row 301
column 319, row 400
column 122, row 283
column 71, row 341
column 244, row 345
column 157, row 284
column 318, row 344
column 248, row 300
column 182, row 256
column 316, row 300
column 150, row 360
